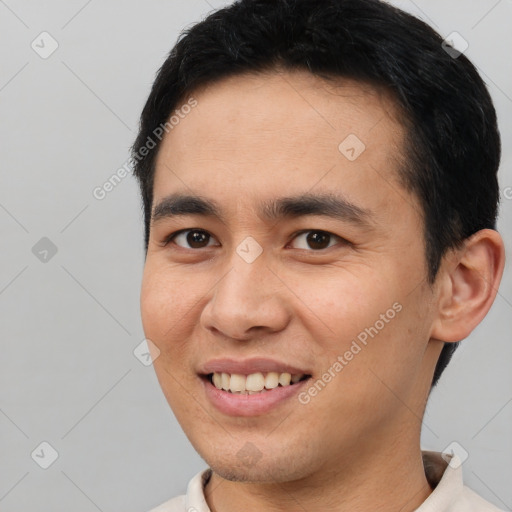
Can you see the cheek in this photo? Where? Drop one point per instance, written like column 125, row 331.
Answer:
column 166, row 300
column 372, row 322
column 339, row 304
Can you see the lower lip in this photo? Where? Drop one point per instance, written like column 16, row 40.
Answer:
column 237, row 404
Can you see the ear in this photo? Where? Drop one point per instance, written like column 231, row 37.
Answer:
column 467, row 285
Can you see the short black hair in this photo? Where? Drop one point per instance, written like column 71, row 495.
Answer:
column 453, row 145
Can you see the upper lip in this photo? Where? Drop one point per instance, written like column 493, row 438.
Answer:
column 248, row 366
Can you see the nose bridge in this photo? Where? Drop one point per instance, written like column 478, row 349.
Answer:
column 246, row 286
column 249, row 268
column 248, row 276
column 245, row 297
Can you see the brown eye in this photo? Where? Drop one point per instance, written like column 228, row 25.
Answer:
column 192, row 239
column 316, row 239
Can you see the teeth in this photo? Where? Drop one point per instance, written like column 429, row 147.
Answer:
column 272, row 380
column 224, row 381
column 237, row 382
column 284, row 379
column 253, row 383
column 217, row 380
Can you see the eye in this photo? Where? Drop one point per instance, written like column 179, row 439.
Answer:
column 195, row 238
column 316, row 239
column 199, row 239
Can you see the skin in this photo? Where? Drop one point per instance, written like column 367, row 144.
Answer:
column 356, row 444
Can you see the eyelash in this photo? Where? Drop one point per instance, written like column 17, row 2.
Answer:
column 172, row 236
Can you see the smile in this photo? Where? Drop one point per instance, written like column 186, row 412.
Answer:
column 251, row 387
column 253, row 383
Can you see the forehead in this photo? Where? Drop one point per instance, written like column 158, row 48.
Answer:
column 290, row 129
column 295, row 102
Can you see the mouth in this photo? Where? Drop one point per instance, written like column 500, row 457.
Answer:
column 251, row 387
column 252, row 394
column 254, row 383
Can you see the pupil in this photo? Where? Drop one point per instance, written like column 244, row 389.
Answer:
column 196, row 238
column 318, row 240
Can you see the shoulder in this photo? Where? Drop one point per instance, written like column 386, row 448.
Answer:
column 444, row 474
column 470, row 501
column 193, row 500
column 176, row 504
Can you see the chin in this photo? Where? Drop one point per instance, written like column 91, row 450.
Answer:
column 251, row 466
column 262, row 475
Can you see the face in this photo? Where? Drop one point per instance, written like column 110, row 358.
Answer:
column 288, row 300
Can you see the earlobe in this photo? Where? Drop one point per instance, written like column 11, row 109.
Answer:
column 468, row 285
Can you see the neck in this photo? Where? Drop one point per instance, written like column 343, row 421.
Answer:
column 389, row 481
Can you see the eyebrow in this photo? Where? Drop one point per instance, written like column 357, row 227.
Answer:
column 327, row 205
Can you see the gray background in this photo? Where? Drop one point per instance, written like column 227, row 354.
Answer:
column 69, row 325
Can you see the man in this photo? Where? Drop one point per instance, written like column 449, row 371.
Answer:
column 320, row 198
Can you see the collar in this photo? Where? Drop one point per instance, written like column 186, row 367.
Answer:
column 443, row 473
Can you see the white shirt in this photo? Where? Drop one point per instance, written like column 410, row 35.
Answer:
column 449, row 494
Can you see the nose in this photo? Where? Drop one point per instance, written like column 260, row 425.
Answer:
column 248, row 302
